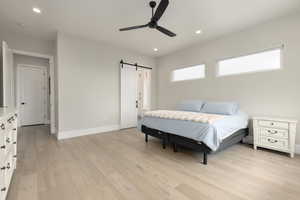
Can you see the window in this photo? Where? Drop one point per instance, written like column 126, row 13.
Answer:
column 263, row 61
column 189, row 73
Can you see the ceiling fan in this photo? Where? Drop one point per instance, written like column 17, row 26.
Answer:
column 155, row 18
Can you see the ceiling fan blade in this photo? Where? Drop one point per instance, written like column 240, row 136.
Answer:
column 160, row 10
column 165, row 31
column 133, row 27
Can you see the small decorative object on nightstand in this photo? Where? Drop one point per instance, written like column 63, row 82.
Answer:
column 274, row 133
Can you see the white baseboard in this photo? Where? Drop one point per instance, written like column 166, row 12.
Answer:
column 297, row 151
column 77, row 133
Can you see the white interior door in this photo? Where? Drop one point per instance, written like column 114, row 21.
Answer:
column 31, row 94
column 129, row 104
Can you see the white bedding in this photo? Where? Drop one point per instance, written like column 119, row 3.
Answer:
column 183, row 115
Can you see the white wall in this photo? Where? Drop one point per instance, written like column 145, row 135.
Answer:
column 88, row 84
column 27, row 43
column 273, row 93
column 6, row 68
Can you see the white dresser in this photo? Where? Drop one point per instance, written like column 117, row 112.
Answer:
column 275, row 133
column 8, row 148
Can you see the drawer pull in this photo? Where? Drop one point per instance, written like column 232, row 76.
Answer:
column 272, row 132
column 272, row 141
column 2, row 147
column 11, row 120
column 3, row 189
column 2, row 126
column 15, row 156
column 7, row 140
column 15, row 143
column 8, row 166
column 14, row 129
column 3, row 168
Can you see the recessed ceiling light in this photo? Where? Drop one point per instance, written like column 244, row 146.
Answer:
column 155, row 49
column 36, row 10
column 198, row 32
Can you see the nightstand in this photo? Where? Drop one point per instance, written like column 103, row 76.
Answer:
column 275, row 133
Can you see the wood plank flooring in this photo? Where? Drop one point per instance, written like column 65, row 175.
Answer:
column 120, row 165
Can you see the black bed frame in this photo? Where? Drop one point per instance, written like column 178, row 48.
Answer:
column 175, row 141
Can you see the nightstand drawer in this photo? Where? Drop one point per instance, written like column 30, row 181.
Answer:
column 277, row 133
column 273, row 124
column 276, row 143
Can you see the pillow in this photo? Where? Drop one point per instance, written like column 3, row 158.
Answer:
column 224, row 108
column 192, row 106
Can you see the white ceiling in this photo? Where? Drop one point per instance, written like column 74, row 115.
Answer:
column 100, row 20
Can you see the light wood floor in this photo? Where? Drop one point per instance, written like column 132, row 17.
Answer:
column 120, row 165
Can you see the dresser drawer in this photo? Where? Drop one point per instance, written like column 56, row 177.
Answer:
column 3, row 189
column 273, row 124
column 10, row 122
column 276, row 133
column 9, row 168
column 281, row 144
column 3, row 133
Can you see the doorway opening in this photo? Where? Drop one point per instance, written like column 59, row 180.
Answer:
column 34, row 88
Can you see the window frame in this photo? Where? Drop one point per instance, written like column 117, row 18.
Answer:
column 281, row 48
column 193, row 79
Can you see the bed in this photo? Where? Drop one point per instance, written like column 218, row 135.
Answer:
column 205, row 127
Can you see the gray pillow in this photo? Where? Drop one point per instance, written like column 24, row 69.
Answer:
column 222, row 108
column 192, row 106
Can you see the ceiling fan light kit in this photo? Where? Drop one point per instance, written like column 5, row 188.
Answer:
column 155, row 18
